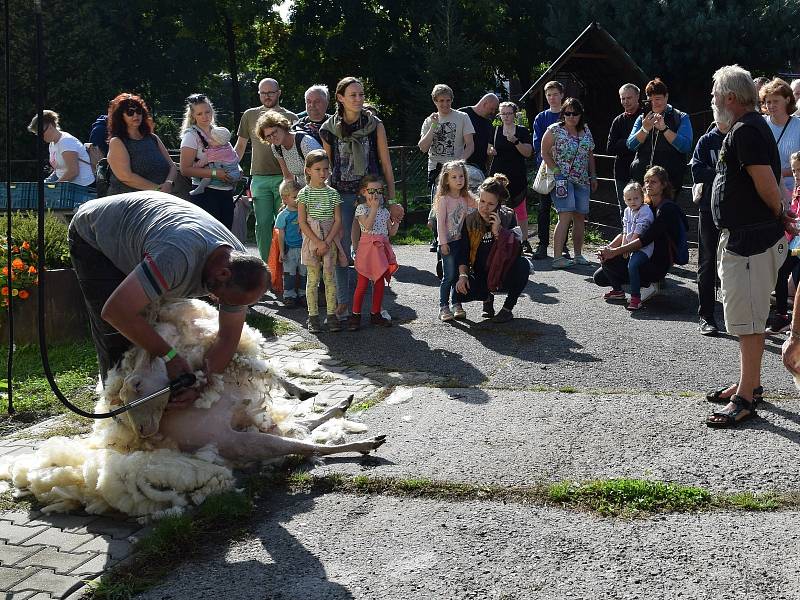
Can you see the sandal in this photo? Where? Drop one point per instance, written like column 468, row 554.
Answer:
column 744, row 411
column 717, row 397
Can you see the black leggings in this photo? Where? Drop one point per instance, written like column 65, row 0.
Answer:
column 98, row 278
column 782, row 285
column 614, row 273
column 217, row 203
column 514, row 282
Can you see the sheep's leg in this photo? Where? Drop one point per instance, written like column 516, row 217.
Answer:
column 333, row 412
column 294, row 390
column 246, row 446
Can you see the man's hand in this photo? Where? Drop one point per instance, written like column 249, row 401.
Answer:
column 445, row 249
column 462, row 285
column 790, row 224
column 790, row 352
column 182, row 398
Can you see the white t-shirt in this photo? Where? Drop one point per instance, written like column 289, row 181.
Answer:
column 69, row 143
column 790, row 143
column 294, row 160
column 448, row 139
column 191, row 139
column 381, row 225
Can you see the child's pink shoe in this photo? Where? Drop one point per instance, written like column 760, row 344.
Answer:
column 635, row 303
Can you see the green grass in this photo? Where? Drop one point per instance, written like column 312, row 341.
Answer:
column 630, row 496
column 416, row 235
column 267, row 325
column 374, row 399
column 75, row 367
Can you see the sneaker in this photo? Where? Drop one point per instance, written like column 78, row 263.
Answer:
column 635, row 303
column 780, row 322
column 614, row 296
column 563, row 263
column 353, row 322
column 377, row 320
column 707, row 327
column 648, row 292
column 290, row 302
column 581, row 260
column 445, row 314
column 459, row 312
column 385, row 314
column 313, row 324
column 333, row 324
column 541, row 252
column 526, row 247
column 488, row 309
column 504, row 316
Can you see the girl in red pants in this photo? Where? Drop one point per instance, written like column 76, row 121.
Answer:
column 375, row 259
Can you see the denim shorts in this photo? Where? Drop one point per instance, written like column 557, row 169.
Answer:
column 577, row 199
column 291, row 261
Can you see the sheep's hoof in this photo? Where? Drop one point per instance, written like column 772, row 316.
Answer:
column 345, row 404
column 305, row 394
column 377, row 442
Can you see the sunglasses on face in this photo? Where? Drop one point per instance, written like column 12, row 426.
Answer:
column 572, row 114
column 373, row 191
column 137, row 110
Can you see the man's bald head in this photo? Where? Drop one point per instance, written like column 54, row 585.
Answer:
column 487, row 106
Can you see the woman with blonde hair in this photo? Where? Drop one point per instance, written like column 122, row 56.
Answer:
column 196, row 138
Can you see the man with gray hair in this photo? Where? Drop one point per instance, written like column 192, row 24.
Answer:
column 265, row 172
column 316, row 111
column 747, row 206
column 618, row 136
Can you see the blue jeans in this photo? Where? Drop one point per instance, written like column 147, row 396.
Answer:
column 447, row 288
column 344, row 275
column 636, row 260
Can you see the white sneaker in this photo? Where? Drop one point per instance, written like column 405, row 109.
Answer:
column 459, row 312
column 385, row 314
column 445, row 314
column 648, row 292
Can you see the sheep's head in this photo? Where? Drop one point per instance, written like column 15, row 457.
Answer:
column 145, row 380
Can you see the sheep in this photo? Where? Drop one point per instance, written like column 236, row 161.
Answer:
column 157, row 462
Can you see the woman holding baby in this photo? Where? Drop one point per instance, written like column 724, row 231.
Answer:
column 209, row 159
column 137, row 157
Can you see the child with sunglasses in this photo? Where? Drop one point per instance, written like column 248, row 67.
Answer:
column 375, row 260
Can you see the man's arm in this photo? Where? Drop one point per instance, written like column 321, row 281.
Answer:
column 766, row 186
column 224, row 347
column 469, row 146
column 241, row 146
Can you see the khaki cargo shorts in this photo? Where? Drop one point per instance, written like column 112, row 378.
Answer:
column 747, row 283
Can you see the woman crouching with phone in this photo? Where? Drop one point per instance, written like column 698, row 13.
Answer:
column 490, row 254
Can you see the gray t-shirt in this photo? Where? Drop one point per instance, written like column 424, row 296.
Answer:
column 448, row 138
column 161, row 237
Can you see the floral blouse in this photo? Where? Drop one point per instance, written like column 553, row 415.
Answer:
column 571, row 154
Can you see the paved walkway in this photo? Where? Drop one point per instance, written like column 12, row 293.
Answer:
column 52, row 556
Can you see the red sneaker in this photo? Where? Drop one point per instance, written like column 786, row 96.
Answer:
column 614, row 295
column 635, row 303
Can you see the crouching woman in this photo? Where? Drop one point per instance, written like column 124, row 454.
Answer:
column 490, row 257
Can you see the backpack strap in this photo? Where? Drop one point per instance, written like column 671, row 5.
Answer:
column 298, row 139
column 201, row 136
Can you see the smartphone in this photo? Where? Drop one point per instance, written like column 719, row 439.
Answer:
column 647, row 106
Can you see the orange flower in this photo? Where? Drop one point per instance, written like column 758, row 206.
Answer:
column 5, row 271
column 26, row 246
column 17, row 263
column 23, row 294
column 32, row 270
column 4, row 291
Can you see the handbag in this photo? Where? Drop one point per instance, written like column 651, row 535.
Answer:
column 545, row 180
column 697, row 193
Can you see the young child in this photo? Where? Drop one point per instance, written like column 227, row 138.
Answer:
column 375, row 259
column 219, row 155
column 794, row 241
column 635, row 220
column 290, row 242
column 452, row 202
column 320, row 218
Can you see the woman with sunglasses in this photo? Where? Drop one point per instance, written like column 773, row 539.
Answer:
column 68, row 157
column 137, row 157
column 290, row 148
column 217, row 197
column 568, row 150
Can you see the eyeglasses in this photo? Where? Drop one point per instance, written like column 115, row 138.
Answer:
column 271, row 134
column 373, row 191
column 572, row 114
column 197, row 98
column 507, row 114
column 270, row 94
column 133, row 111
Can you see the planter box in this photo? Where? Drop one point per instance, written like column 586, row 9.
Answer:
column 65, row 312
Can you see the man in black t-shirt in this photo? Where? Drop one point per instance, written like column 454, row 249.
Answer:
column 316, row 104
column 747, row 205
column 481, row 115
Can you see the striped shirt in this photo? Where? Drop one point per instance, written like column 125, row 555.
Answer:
column 319, row 202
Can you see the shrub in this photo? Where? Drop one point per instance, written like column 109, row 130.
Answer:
column 56, row 245
column 22, row 276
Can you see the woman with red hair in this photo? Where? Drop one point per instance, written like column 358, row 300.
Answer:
column 137, row 157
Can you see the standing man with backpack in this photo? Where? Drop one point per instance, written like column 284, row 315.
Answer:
column 265, row 172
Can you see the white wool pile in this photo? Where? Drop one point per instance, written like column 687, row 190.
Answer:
column 113, row 469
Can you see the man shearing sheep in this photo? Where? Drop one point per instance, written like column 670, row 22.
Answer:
column 131, row 249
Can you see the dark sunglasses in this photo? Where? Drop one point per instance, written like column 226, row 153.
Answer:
column 133, row 111
column 572, row 114
column 197, row 98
